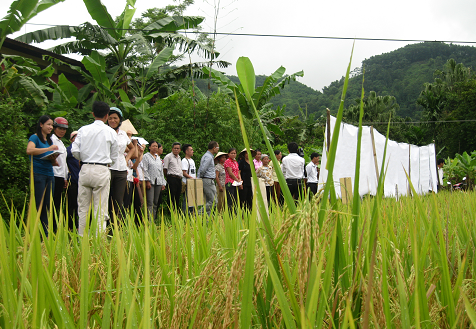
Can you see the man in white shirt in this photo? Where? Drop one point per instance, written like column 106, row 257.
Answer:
column 61, row 170
column 189, row 172
column 173, row 172
column 439, row 164
column 96, row 147
column 293, row 170
column 312, row 172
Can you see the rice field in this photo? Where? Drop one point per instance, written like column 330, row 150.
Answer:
column 221, row 272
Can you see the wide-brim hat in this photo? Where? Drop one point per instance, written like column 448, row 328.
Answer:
column 253, row 152
column 219, row 154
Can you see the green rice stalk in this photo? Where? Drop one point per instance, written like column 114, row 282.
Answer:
column 248, row 280
column 84, row 301
column 194, row 316
column 327, row 282
column 356, row 201
column 58, row 307
column 246, row 73
column 313, row 288
column 384, row 282
column 106, row 316
column 146, row 308
column 333, row 148
column 6, row 270
column 469, row 309
column 278, row 287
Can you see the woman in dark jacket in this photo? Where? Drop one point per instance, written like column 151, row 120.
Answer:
column 246, row 193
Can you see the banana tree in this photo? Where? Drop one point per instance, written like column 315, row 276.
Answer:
column 116, row 37
column 467, row 164
column 261, row 95
column 20, row 12
column 22, row 76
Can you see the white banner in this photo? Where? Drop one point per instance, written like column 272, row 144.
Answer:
column 402, row 159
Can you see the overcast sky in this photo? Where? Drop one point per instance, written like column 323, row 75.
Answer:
column 322, row 60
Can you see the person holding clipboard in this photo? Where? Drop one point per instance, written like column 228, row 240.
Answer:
column 43, row 153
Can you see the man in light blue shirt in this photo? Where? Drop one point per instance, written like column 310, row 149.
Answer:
column 207, row 173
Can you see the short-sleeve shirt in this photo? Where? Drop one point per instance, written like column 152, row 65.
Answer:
column 61, row 170
column 221, row 173
column 257, row 163
column 186, row 165
column 229, row 163
column 266, row 174
column 122, row 142
column 173, row 164
column 43, row 167
column 312, row 175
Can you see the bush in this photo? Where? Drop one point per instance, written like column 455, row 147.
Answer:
column 15, row 164
column 178, row 120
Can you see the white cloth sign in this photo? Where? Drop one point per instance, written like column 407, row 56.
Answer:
column 402, row 159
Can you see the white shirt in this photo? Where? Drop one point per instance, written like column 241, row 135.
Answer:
column 193, row 169
column 293, row 166
column 140, row 171
column 311, row 170
column 96, row 143
column 122, row 141
column 440, row 175
column 62, row 169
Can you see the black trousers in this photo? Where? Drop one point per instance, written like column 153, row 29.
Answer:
column 246, row 197
column 312, row 187
column 269, row 189
column 175, row 190
column 295, row 187
column 57, row 194
column 72, row 194
column 116, row 194
column 231, row 196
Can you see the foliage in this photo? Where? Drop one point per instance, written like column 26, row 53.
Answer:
column 461, row 166
column 178, row 119
column 21, row 76
column 261, row 96
column 15, row 163
column 19, row 13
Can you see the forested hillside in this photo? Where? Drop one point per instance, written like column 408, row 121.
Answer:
column 400, row 73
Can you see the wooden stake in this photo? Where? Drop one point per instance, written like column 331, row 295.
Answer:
column 346, row 189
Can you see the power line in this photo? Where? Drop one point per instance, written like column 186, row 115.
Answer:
column 283, row 35
column 411, row 122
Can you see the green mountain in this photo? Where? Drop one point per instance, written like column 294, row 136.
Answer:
column 400, row 73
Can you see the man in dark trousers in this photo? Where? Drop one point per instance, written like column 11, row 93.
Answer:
column 293, row 170
column 174, row 174
column 72, row 192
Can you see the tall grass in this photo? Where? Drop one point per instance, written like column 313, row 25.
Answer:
column 194, row 274
column 318, row 264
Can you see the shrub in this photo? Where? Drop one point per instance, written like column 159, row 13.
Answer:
column 15, row 164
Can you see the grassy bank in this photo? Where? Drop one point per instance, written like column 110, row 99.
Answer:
column 187, row 273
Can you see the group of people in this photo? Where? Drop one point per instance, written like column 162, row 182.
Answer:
column 104, row 167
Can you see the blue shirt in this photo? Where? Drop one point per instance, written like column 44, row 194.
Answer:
column 40, row 166
column 73, row 165
column 207, row 166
